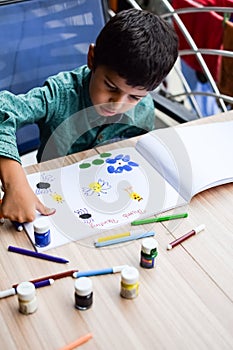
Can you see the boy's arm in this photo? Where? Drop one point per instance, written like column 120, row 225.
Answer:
column 19, row 201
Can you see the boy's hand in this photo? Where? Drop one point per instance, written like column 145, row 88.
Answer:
column 19, row 202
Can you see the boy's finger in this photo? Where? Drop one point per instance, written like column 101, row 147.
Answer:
column 45, row 210
column 49, row 211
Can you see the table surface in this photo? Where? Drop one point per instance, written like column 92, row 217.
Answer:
column 185, row 302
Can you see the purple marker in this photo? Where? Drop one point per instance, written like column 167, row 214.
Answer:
column 43, row 283
column 12, row 291
column 37, row 254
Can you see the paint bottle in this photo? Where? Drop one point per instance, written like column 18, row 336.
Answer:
column 149, row 251
column 83, row 293
column 129, row 282
column 42, row 232
column 26, row 292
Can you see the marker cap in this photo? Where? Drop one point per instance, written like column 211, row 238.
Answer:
column 7, row 293
column 200, row 228
column 118, row 268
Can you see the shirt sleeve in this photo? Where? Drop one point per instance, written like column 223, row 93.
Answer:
column 19, row 110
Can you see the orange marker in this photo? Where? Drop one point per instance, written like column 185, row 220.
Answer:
column 77, row 342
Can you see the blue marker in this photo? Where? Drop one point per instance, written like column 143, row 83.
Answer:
column 124, row 239
column 18, row 226
column 106, row 271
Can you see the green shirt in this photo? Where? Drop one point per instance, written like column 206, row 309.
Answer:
column 66, row 118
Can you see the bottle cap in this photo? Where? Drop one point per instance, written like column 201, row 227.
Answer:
column 26, row 291
column 149, row 244
column 41, row 225
column 129, row 275
column 83, row 286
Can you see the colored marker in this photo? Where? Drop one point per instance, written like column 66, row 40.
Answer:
column 186, row 236
column 37, row 255
column 7, row 293
column 159, row 219
column 12, row 291
column 17, row 225
column 77, row 342
column 116, row 236
column 55, row 276
column 90, row 273
column 124, row 239
column 44, row 283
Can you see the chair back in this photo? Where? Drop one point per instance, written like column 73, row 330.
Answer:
column 40, row 38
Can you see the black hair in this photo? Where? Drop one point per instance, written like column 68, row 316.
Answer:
column 139, row 46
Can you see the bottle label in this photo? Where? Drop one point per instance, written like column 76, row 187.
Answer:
column 83, row 302
column 148, row 260
column 28, row 307
column 42, row 239
column 147, row 263
column 129, row 291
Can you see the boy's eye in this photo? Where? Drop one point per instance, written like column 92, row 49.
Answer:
column 114, row 88
column 109, row 86
column 135, row 98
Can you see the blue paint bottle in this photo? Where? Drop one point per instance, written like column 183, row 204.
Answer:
column 42, row 232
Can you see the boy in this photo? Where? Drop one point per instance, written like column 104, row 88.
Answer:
column 106, row 100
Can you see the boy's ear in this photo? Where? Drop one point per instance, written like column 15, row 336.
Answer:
column 90, row 56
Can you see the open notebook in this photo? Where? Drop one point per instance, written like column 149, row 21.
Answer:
column 165, row 170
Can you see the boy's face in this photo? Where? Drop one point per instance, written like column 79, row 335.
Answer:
column 110, row 94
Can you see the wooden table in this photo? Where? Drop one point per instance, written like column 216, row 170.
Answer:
column 186, row 302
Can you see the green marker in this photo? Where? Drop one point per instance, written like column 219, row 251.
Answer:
column 161, row 218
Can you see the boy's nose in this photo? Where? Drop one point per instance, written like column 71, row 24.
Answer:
column 118, row 98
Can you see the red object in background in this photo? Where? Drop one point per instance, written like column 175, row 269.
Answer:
column 206, row 29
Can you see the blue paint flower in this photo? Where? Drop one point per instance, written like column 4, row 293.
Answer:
column 122, row 162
